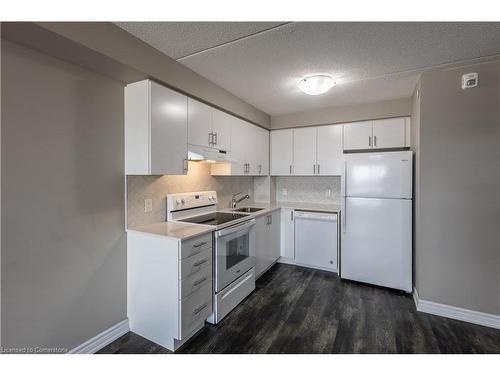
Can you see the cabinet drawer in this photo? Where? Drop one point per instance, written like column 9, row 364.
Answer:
column 196, row 245
column 195, row 263
column 196, row 281
column 195, row 309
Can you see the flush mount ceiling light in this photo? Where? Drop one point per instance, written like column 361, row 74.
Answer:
column 316, row 85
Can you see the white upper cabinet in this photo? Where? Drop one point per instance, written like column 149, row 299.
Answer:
column 208, row 127
column 221, row 128
column 309, row 151
column 389, row 133
column 377, row 134
column 199, row 124
column 329, row 150
column 262, row 143
column 249, row 151
column 358, row 135
column 281, row 152
column 155, row 130
column 304, row 151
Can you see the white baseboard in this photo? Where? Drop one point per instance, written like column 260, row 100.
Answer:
column 102, row 339
column 458, row 313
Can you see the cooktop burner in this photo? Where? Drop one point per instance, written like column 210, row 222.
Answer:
column 214, row 218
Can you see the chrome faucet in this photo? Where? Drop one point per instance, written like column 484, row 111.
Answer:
column 235, row 201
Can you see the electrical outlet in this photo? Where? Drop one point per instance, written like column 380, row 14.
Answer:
column 328, row 192
column 148, row 205
column 284, row 192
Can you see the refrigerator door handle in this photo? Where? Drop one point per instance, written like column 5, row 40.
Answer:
column 343, row 213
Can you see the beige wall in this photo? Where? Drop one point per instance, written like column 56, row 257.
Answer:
column 110, row 50
column 63, row 243
column 458, row 243
column 334, row 115
column 415, row 146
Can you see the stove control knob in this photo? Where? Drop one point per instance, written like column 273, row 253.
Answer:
column 177, row 202
column 183, row 201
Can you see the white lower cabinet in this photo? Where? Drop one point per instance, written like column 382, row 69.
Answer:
column 267, row 244
column 169, row 287
column 287, row 234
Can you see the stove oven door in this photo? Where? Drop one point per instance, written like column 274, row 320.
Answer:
column 232, row 253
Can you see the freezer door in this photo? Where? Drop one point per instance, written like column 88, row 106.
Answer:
column 378, row 175
column 376, row 242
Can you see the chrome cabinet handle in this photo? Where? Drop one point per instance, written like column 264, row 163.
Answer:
column 196, row 283
column 290, row 169
column 370, row 140
column 200, row 263
column 270, row 219
column 210, row 139
column 200, row 244
column 185, row 165
column 375, row 140
column 318, row 168
column 291, row 215
column 314, row 168
column 198, row 310
column 215, row 138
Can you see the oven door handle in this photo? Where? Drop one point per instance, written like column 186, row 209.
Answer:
column 224, row 232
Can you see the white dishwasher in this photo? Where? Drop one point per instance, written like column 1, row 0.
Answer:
column 316, row 239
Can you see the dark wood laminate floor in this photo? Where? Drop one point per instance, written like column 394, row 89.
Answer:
column 301, row 310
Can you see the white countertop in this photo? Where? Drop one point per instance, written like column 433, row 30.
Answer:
column 269, row 207
column 174, row 229
column 184, row 231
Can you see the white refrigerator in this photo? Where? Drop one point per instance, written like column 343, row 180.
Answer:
column 376, row 236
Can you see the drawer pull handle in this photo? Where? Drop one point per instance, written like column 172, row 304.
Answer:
column 200, row 244
column 200, row 281
column 199, row 309
column 200, row 263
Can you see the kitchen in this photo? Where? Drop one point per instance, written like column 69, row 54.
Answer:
column 247, row 241
column 332, row 216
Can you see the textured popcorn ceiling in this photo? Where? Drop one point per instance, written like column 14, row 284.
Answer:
column 179, row 39
column 370, row 61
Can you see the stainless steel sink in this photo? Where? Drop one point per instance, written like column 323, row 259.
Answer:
column 247, row 209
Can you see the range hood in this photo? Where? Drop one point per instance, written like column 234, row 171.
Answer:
column 209, row 155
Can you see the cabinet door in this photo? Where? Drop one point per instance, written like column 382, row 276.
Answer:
column 274, row 229
column 239, row 147
column 281, row 152
column 389, row 133
column 252, row 149
column 330, row 150
column 262, row 149
column 261, row 244
column 221, row 127
column 304, row 151
column 287, row 234
column 168, row 131
column 358, row 135
column 199, row 123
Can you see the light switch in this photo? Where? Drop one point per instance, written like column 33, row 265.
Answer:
column 148, row 205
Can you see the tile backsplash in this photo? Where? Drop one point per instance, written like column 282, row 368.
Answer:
column 314, row 189
column 157, row 188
